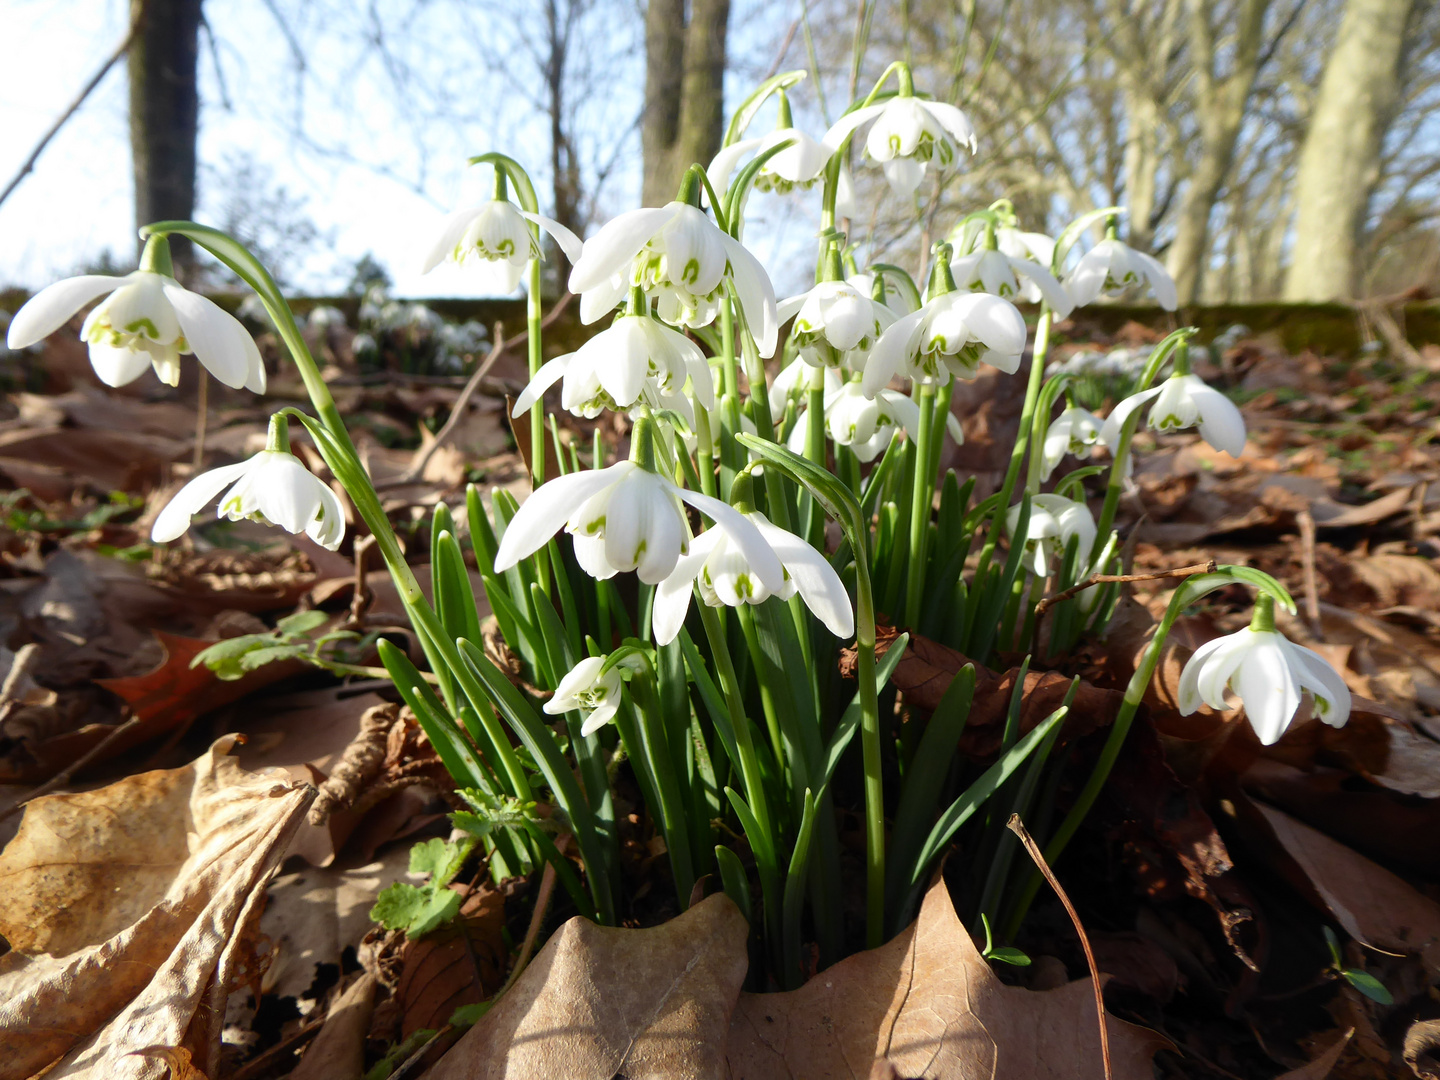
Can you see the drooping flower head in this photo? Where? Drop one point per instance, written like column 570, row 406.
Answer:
column 1269, row 672
column 149, row 320
column 496, row 236
column 273, row 487
column 679, row 257
column 725, row 573
column 951, row 335
column 836, row 324
column 1183, row 401
column 798, row 165
column 908, row 134
column 626, row 517
column 636, row 358
column 993, row 271
column 595, row 694
column 1111, row 268
column 1074, row 431
column 866, row 425
column 1054, row 521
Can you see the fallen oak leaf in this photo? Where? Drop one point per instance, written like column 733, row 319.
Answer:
column 928, row 1003
column 176, row 692
column 600, row 1001
column 1373, row 905
column 926, row 670
column 459, row 964
column 209, row 836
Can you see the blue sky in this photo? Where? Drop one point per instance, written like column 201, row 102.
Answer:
column 467, row 95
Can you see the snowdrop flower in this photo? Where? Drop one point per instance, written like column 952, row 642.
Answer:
column 1054, row 519
column 835, row 324
column 1074, row 431
column 498, row 234
column 272, row 487
column 1184, row 401
column 951, row 335
column 626, row 517
column 898, row 300
column 148, row 321
column 993, row 271
column 793, row 381
column 586, row 689
column 726, row 574
column 1268, row 672
column 615, row 368
column 798, row 165
column 680, row 256
column 1111, row 268
column 866, row 425
column 907, row 134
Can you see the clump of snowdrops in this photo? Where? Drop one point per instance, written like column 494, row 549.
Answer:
column 720, row 685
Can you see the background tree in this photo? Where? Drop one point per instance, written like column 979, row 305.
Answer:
column 165, row 111
column 684, row 117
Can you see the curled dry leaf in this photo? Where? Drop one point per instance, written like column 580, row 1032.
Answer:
column 928, row 1003
column 114, row 953
column 338, row 1051
column 460, row 964
column 599, row 1001
column 1422, row 1049
column 1320, row 1068
column 1373, row 905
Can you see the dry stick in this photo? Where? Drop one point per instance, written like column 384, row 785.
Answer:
column 71, row 109
column 1100, row 579
column 1016, row 826
column 19, row 668
column 63, row 776
column 1306, row 521
column 462, row 402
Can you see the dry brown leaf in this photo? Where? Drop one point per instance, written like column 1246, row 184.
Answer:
column 928, row 667
column 1422, row 1049
column 312, row 915
column 179, row 1065
column 929, row 1004
column 1320, row 1068
column 1373, row 905
column 126, row 908
column 598, row 1001
column 460, row 964
column 338, row 1051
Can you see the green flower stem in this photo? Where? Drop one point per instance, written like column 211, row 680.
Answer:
column 705, row 450
column 870, row 753
column 815, row 442
column 764, row 676
column 537, row 412
column 1191, row 590
column 1116, row 483
column 749, row 764
column 921, row 500
column 777, row 504
column 1022, row 441
column 662, row 767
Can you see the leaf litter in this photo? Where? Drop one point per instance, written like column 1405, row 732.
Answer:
column 1208, row 853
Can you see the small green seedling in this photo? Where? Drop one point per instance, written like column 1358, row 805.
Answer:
column 419, row 909
column 1004, row 953
column 236, row 657
column 1363, row 981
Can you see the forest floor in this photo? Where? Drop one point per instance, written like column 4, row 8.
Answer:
column 1206, row 877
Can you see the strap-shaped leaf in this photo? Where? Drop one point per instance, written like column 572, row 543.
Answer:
column 837, row 499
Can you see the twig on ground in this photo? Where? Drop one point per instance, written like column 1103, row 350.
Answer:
column 498, row 349
column 1306, row 521
column 1100, row 579
column 1016, row 826
column 63, row 776
column 537, row 918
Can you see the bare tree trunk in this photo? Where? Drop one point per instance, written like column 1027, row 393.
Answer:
column 165, row 112
column 1220, row 105
column 1339, row 164
column 684, row 114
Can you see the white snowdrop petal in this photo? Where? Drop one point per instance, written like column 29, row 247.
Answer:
column 618, row 241
column 52, row 307
column 191, row 499
column 545, row 511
